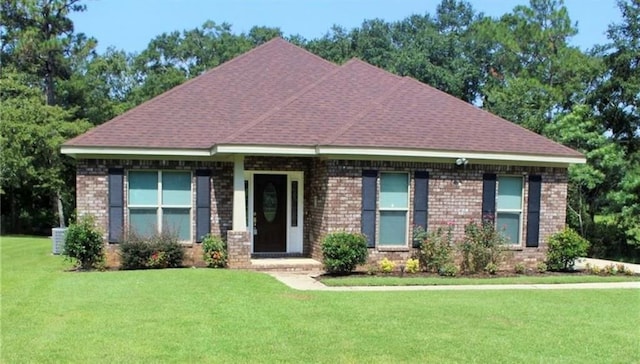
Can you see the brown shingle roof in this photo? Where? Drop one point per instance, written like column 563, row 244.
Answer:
column 280, row 94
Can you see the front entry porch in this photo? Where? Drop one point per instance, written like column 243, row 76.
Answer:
column 267, row 220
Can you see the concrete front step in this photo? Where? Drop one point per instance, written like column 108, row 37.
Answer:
column 286, row 264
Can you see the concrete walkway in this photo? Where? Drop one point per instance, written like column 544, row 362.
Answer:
column 581, row 264
column 306, row 282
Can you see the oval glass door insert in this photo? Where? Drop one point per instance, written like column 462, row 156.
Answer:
column 269, row 202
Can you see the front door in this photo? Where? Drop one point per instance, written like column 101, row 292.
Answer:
column 270, row 209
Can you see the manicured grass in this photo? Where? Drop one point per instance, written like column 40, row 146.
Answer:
column 204, row 315
column 408, row 280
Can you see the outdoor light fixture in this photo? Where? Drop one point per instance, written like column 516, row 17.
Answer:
column 462, row 162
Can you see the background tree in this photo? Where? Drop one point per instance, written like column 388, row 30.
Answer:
column 616, row 101
column 32, row 170
column 37, row 37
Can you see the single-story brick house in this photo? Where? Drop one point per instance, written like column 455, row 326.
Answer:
column 277, row 147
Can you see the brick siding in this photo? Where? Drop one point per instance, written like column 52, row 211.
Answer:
column 332, row 199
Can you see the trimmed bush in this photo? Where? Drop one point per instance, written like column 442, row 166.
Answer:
column 491, row 268
column 156, row 251
column 387, row 266
column 541, row 267
column 83, row 243
column 448, row 270
column 342, row 252
column 412, row 266
column 564, row 248
column 214, row 251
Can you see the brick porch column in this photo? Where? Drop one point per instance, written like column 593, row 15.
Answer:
column 239, row 249
column 238, row 239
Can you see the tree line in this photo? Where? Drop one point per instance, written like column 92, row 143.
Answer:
column 520, row 66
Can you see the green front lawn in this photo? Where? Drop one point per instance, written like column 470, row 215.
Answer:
column 204, row 315
column 409, row 280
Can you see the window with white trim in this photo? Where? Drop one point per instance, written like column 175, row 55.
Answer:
column 160, row 201
column 393, row 209
column 509, row 208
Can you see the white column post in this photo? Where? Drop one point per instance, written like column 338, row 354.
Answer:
column 239, row 202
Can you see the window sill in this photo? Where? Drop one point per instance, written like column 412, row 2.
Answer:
column 393, row 248
column 515, row 248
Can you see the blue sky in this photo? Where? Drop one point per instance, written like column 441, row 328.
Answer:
column 131, row 24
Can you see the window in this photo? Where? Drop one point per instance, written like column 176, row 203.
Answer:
column 159, row 201
column 509, row 208
column 393, row 209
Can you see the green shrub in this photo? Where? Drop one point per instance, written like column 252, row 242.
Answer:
column 448, row 270
column 412, row 266
column 482, row 244
column 387, row 266
column 491, row 268
column 611, row 269
column 342, row 252
column 622, row 269
column 83, row 243
column 593, row 269
column 519, row 268
column 541, row 267
column 214, row 251
column 156, row 251
column 436, row 249
column 564, row 248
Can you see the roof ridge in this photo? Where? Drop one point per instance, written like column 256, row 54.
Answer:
column 279, row 106
column 377, row 102
column 310, row 53
column 365, row 63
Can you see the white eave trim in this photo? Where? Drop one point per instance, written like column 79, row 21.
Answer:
column 265, row 150
column 112, row 151
column 329, row 152
column 436, row 154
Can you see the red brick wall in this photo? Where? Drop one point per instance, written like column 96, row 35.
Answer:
column 455, row 196
column 332, row 196
column 93, row 191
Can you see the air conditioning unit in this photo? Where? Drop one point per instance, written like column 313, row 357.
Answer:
column 57, row 235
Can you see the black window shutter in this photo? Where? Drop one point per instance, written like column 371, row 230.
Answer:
column 369, row 195
column 203, row 203
column 489, row 197
column 421, row 201
column 116, row 204
column 533, row 211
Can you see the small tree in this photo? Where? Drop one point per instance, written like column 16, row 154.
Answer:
column 342, row 252
column 564, row 248
column 83, row 243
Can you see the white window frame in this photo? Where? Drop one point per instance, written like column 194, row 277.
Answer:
column 520, row 211
column 405, row 209
column 160, row 206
